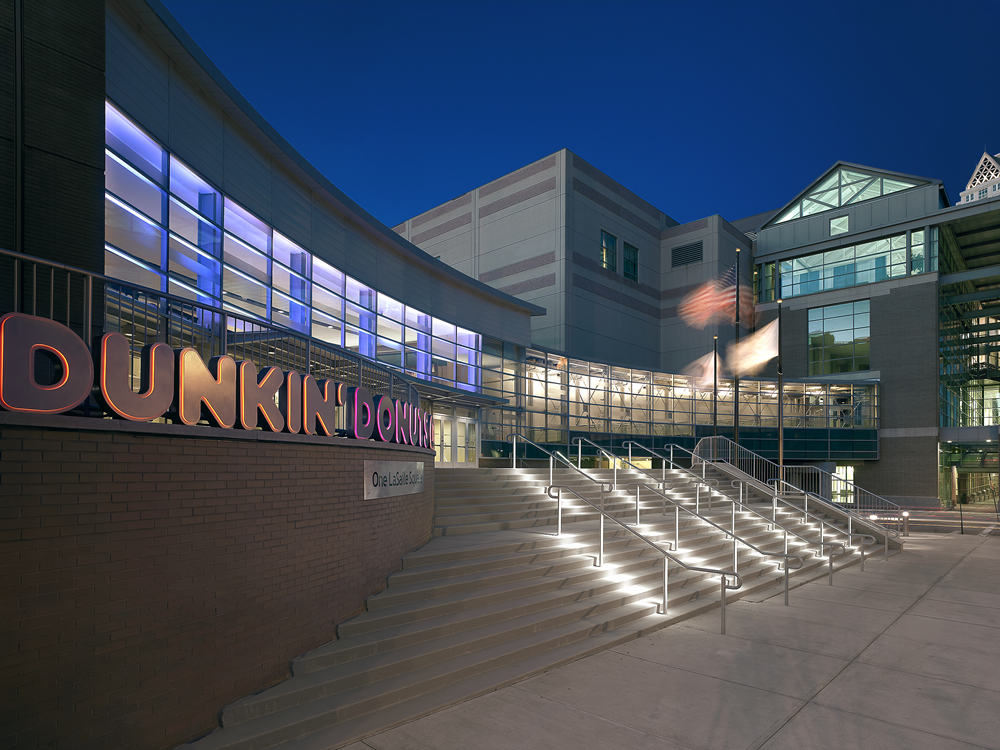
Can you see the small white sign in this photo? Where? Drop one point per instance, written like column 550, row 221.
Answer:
column 392, row 478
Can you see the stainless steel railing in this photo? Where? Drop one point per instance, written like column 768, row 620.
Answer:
column 804, row 479
column 678, row 507
column 604, row 488
column 724, row 575
column 553, row 455
column 780, row 497
column 744, row 507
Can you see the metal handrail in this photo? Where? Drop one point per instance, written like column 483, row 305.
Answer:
column 679, row 507
column 822, row 521
column 865, row 501
column 747, row 509
column 764, row 471
column 673, row 465
column 515, row 436
column 723, row 574
column 614, row 459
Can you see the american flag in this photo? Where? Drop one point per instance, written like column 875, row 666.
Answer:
column 715, row 300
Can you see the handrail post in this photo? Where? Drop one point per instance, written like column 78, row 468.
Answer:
column 637, row 505
column 830, row 583
column 666, row 565
column 630, row 452
column 614, row 463
column 514, row 453
column 722, row 607
column 600, row 554
column 559, row 512
column 862, row 547
column 677, row 527
column 886, row 537
column 551, row 467
column 697, row 499
column 786, row 573
column 579, row 453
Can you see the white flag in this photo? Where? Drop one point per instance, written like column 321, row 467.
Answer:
column 750, row 355
column 700, row 373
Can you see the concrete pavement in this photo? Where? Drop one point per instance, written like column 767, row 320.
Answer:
column 904, row 655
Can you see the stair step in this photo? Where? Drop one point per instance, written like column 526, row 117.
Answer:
column 495, row 597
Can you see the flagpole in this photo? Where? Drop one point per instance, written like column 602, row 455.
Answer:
column 781, row 405
column 736, row 375
column 715, row 386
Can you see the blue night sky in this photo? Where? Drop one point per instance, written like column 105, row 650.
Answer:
column 700, row 108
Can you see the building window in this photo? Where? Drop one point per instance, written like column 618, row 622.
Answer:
column 609, row 251
column 839, row 225
column 982, row 193
column 840, row 338
column 917, row 252
column 854, row 265
column 630, row 261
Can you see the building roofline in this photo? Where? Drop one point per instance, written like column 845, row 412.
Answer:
column 850, row 165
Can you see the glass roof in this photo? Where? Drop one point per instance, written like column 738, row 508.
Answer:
column 841, row 188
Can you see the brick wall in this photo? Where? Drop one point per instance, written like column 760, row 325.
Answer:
column 150, row 579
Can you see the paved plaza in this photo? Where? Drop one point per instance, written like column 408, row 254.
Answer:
column 903, row 655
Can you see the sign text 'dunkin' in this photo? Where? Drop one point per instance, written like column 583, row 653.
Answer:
column 179, row 384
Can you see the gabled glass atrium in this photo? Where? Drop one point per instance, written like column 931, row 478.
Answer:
column 843, row 187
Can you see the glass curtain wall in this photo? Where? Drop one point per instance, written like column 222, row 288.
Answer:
column 168, row 229
column 552, row 397
column 889, row 257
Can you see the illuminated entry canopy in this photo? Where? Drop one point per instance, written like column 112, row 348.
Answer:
column 181, row 385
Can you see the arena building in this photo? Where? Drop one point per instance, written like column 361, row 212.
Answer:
column 180, row 524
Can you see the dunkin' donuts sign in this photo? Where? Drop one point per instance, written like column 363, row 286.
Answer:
column 179, row 384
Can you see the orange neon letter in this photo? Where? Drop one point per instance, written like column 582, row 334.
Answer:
column 21, row 338
column 197, row 387
column 156, row 389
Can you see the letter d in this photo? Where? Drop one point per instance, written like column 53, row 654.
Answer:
column 23, row 335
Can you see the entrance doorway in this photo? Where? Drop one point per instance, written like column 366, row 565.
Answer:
column 456, row 437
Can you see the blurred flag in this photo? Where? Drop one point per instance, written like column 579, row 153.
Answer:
column 716, row 300
column 750, row 355
column 700, row 373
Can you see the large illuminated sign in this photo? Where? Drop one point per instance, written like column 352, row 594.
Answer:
column 179, row 384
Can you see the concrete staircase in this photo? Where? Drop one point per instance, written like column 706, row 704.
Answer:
column 494, row 597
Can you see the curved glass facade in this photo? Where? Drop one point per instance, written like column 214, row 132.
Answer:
column 169, row 229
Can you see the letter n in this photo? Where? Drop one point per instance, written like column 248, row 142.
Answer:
column 200, row 393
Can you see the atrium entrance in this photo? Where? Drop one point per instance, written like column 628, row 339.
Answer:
column 456, row 437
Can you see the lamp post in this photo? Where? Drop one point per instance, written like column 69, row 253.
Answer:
column 715, row 385
column 736, row 375
column 781, row 404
